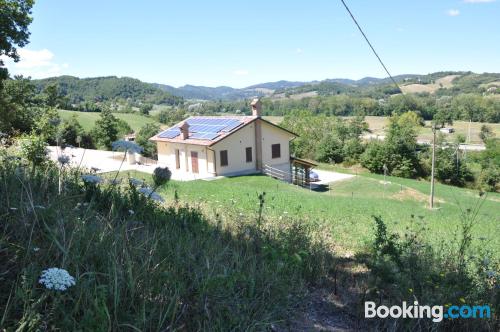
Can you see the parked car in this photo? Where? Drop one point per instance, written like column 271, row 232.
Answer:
column 313, row 176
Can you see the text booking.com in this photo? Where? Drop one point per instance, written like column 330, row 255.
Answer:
column 437, row 313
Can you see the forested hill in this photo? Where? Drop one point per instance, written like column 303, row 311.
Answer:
column 110, row 88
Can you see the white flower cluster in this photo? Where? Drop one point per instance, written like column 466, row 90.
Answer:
column 136, row 183
column 63, row 159
column 91, row 178
column 122, row 145
column 56, row 279
column 151, row 194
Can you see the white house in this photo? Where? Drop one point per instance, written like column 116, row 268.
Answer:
column 207, row 146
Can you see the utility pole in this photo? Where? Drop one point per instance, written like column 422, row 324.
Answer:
column 431, row 198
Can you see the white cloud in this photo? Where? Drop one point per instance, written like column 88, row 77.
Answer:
column 37, row 64
column 299, row 50
column 453, row 12
column 479, row 1
column 240, row 72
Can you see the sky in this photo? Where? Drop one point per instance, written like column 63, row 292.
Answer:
column 245, row 42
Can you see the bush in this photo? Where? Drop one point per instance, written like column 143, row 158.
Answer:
column 407, row 268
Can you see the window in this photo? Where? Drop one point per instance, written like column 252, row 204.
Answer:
column 223, row 158
column 248, row 152
column 177, row 159
column 276, row 151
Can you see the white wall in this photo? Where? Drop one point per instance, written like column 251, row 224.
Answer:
column 166, row 157
column 236, row 145
column 272, row 135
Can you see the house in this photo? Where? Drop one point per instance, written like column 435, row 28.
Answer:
column 207, row 146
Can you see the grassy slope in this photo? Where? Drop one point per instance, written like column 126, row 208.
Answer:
column 348, row 208
column 87, row 119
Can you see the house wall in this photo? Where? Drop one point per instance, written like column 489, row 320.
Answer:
column 166, row 157
column 272, row 135
column 236, row 144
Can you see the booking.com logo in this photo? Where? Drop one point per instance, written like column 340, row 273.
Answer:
column 437, row 312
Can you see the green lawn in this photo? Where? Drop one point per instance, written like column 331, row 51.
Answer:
column 87, row 119
column 348, row 207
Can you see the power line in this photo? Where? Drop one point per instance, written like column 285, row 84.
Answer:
column 371, row 46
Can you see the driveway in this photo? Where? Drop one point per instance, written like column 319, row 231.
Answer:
column 99, row 160
column 326, row 177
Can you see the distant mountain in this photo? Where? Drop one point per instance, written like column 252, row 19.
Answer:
column 209, row 93
column 112, row 87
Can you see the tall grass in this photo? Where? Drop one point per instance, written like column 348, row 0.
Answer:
column 142, row 266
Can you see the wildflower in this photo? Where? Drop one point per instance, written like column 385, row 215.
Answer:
column 13, row 209
column 56, row 279
column 41, row 207
column 151, row 194
column 135, row 182
column 91, row 178
column 122, row 145
column 36, row 249
column 63, row 159
column 131, row 212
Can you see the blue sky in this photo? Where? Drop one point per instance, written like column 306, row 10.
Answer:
column 239, row 43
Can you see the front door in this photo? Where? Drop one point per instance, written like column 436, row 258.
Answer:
column 194, row 161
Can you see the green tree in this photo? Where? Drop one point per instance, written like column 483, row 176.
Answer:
column 70, row 130
column 486, row 133
column 105, row 131
column 143, row 136
column 14, row 20
column 34, row 149
column 145, row 109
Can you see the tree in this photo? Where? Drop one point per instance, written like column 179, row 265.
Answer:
column 14, row 21
column 70, row 130
column 105, row 131
column 330, row 150
column 143, row 136
column 486, row 133
column 146, row 108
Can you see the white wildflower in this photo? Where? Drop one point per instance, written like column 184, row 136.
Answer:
column 91, row 178
column 13, row 209
column 63, row 159
column 131, row 212
column 151, row 194
column 129, row 146
column 56, row 279
column 36, row 249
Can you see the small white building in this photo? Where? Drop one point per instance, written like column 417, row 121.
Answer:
column 447, row 130
column 207, row 146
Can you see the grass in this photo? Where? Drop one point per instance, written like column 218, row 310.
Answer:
column 348, row 207
column 140, row 266
column 88, row 119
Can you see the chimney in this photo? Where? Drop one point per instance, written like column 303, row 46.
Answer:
column 256, row 107
column 184, row 128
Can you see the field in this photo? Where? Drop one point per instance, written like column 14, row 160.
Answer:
column 444, row 82
column 378, row 124
column 87, row 119
column 347, row 207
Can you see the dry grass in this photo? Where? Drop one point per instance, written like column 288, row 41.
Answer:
column 443, row 82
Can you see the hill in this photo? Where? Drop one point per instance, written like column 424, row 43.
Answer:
column 110, row 88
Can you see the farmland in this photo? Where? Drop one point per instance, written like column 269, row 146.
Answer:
column 378, row 124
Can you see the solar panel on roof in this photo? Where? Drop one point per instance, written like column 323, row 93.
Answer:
column 204, row 128
column 170, row 133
